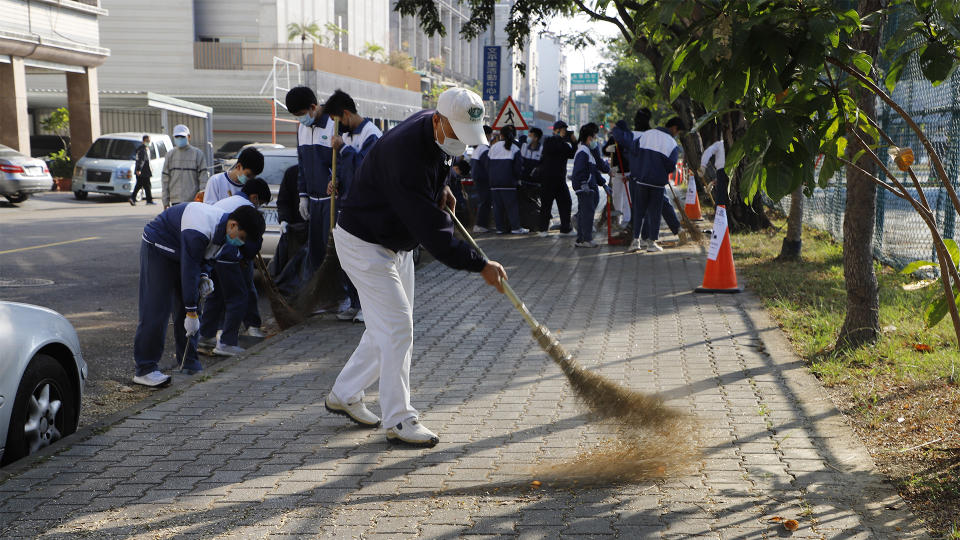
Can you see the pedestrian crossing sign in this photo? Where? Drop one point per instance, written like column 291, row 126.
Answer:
column 510, row 115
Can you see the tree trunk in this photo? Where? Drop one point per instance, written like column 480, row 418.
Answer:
column 792, row 243
column 862, row 322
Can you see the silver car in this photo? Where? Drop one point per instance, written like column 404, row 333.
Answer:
column 275, row 163
column 21, row 175
column 42, row 375
column 108, row 166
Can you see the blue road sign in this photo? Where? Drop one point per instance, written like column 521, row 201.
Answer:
column 491, row 73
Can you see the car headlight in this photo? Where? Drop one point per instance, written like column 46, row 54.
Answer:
column 124, row 173
column 78, row 171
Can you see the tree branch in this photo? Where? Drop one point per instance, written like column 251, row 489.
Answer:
column 600, row 17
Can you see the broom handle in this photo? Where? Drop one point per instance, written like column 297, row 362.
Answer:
column 507, row 289
column 333, row 167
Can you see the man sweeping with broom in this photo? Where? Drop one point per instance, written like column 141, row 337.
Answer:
column 395, row 202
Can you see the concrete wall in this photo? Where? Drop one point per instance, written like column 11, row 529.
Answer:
column 229, row 20
column 51, row 21
column 551, row 74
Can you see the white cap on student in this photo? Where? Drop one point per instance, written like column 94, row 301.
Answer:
column 464, row 109
column 180, row 130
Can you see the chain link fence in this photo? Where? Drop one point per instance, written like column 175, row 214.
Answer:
column 900, row 235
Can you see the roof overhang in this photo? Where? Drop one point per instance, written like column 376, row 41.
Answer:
column 49, row 53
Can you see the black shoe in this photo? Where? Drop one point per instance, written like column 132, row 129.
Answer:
column 151, row 203
column 133, row 202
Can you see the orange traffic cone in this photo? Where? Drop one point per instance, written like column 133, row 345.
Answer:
column 692, row 205
column 720, row 276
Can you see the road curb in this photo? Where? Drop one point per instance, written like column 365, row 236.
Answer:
column 104, row 424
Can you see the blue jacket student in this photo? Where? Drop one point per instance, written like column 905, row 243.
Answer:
column 531, row 157
column 315, row 158
column 174, row 255
column 357, row 145
column 479, row 161
column 505, row 167
column 587, row 166
column 655, row 157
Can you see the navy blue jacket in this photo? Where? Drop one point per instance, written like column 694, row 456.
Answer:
column 478, row 165
column 504, row 166
column 315, row 156
column 191, row 234
column 392, row 200
column 587, row 166
column 655, row 157
column 357, row 145
column 531, row 160
column 553, row 162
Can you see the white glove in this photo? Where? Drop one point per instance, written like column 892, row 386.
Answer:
column 206, row 286
column 191, row 324
column 305, row 207
column 703, row 172
column 283, row 227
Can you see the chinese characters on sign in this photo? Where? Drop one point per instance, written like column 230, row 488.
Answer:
column 491, row 73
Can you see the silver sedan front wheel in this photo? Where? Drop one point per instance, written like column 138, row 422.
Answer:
column 40, row 428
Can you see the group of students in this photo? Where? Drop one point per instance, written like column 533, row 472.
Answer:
column 196, row 263
column 643, row 158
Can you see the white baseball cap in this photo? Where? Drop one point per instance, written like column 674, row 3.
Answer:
column 180, row 130
column 464, row 109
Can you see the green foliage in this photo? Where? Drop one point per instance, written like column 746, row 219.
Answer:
column 304, row 32
column 57, row 122
column 61, row 166
column 374, row 52
column 630, row 82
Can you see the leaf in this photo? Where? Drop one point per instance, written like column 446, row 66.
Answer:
column 952, row 249
column 936, row 62
column 917, row 265
column 863, row 62
column 896, row 69
column 937, row 310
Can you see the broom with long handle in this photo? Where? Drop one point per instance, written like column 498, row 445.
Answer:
column 285, row 315
column 606, row 399
column 326, row 285
column 695, row 234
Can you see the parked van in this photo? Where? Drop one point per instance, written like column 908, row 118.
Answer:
column 108, row 166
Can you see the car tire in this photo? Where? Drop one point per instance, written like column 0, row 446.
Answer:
column 36, row 420
column 17, row 198
column 80, row 195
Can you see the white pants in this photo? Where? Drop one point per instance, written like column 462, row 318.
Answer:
column 384, row 280
column 620, row 200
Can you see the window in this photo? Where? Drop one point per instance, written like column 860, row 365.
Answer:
column 99, row 148
column 161, row 149
column 153, row 150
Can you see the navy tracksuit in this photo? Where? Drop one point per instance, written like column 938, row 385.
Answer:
column 587, row 166
column 315, row 157
column 505, row 166
column 531, row 160
column 479, row 161
column 626, row 141
column 653, row 156
column 234, row 299
column 176, row 247
column 356, row 146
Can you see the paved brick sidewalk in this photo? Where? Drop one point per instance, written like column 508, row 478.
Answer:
column 250, row 452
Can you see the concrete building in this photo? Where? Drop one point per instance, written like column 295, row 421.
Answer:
column 459, row 60
column 524, row 88
column 553, row 78
column 60, row 39
column 219, row 53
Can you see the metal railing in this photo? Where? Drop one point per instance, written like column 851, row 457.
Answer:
column 248, row 56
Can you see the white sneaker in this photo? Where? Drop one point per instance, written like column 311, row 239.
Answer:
column 358, row 412
column 521, row 230
column 153, row 379
column 585, row 245
column 359, row 317
column 543, row 234
column 412, row 432
column 347, row 314
column 227, row 350
column 479, row 229
column 254, row 331
column 634, row 246
column 654, row 247
column 571, row 232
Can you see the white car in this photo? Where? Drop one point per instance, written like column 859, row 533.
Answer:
column 21, row 175
column 42, row 375
column 108, row 166
column 275, row 163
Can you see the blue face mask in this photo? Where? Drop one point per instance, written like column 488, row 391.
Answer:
column 180, row 141
column 306, row 120
column 593, row 144
column 235, row 242
column 242, row 179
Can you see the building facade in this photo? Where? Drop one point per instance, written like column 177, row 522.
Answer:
column 439, row 59
column 553, row 77
column 59, row 40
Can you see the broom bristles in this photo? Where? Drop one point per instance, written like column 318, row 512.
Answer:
column 325, row 285
column 285, row 315
column 695, row 235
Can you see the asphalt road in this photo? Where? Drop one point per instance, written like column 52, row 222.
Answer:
column 94, row 272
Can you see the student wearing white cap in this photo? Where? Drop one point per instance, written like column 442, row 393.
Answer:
column 394, row 203
column 184, row 169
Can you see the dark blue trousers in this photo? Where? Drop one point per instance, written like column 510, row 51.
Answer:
column 647, row 209
column 318, row 231
column 670, row 216
column 252, row 315
column 506, row 209
column 586, row 208
column 482, row 185
column 226, row 307
column 160, row 296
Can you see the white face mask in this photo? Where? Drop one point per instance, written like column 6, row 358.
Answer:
column 450, row 146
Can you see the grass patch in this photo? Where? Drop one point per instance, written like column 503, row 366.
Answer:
column 899, row 400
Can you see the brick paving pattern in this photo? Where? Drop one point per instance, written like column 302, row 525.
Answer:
column 251, row 452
